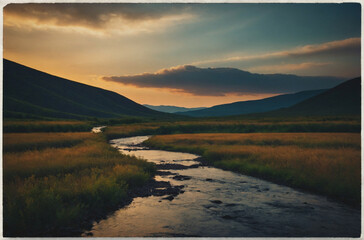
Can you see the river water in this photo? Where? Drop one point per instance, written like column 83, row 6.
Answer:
column 98, row 129
column 218, row 203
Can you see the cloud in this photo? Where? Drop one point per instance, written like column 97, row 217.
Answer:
column 223, row 81
column 350, row 45
column 284, row 68
column 94, row 17
column 334, row 48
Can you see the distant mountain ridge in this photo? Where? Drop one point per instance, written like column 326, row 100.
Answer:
column 171, row 109
column 32, row 93
column 344, row 99
column 254, row 106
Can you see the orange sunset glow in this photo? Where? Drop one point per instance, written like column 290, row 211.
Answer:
column 132, row 39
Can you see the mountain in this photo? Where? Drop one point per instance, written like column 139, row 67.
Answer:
column 344, row 99
column 31, row 93
column 254, row 106
column 171, row 109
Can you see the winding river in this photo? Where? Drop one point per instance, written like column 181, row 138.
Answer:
column 218, row 203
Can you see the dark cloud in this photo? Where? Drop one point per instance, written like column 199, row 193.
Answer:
column 92, row 15
column 222, row 81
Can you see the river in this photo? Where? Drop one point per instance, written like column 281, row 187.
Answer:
column 218, row 203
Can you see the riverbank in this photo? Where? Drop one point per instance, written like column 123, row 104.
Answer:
column 56, row 184
column 324, row 163
column 238, row 124
column 211, row 202
column 149, row 188
column 87, row 179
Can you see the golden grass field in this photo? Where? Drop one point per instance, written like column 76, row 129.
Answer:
column 29, row 141
column 57, row 173
column 10, row 126
column 130, row 129
column 49, row 190
column 326, row 163
column 227, row 125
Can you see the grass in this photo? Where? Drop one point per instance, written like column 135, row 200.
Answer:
column 51, row 190
column 18, row 142
column 128, row 130
column 236, row 125
column 56, row 174
column 18, row 126
column 324, row 163
column 251, row 127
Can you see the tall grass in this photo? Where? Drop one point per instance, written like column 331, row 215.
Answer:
column 16, row 142
column 16, row 126
column 248, row 127
column 127, row 130
column 325, row 163
column 304, row 140
column 235, row 126
column 49, row 191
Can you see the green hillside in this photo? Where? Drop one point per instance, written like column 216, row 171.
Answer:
column 31, row 93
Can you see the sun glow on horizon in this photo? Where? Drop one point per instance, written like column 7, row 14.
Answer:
column 86, row 42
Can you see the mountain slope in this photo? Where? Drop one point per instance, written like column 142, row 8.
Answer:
column 344, row 99
column 29, row 92
column 254, row 106
column 171, row 109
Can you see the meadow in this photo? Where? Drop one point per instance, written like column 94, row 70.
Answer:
column 17, row 142
column 21, row 126
column 243, row 124
column 57, row 175
column 53, row 190
column 324, row 163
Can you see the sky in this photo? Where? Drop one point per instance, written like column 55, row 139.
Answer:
column 180, row 54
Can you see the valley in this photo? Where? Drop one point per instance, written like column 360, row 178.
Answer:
column 228, row 176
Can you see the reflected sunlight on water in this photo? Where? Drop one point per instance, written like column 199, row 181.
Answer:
column 97, row 129
column 218, row 203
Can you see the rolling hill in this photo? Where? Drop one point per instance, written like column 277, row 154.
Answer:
column 254, row 106
column 31, row 93
column 171, row 109
column 344, row 99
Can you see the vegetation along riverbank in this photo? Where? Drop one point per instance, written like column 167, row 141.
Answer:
column 55, row 182
column 324, row 163
column 55, row 179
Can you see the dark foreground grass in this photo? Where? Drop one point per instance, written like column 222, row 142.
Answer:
column 51, row 191
column 324, row 163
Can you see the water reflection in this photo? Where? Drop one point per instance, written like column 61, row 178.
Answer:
column 97, row 129
column 218, row 203
column 130, row 146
